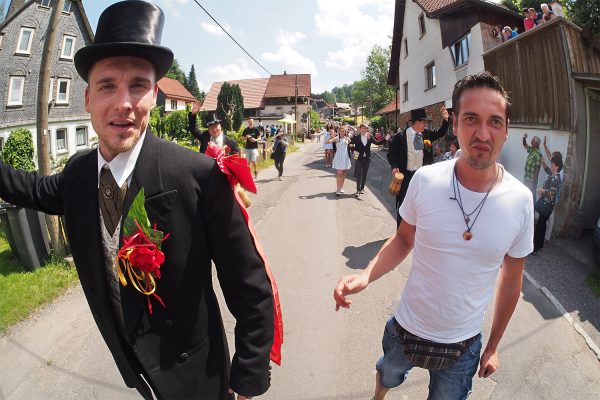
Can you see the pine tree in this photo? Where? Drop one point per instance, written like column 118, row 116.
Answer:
column 176, row 73
column 230, row 107
column 192, row 84
column 238, row 116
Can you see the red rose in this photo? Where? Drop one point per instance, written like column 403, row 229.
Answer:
column 147, row 259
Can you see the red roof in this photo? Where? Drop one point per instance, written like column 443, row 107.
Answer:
column 389, row 107
column 283, row 85
column 175, row 90
column 432, row 7
column 252, row 90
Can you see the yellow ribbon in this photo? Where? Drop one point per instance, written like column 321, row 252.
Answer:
column 143, row 282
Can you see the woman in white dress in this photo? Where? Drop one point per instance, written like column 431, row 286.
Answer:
column 341, row 160
column 328, row 146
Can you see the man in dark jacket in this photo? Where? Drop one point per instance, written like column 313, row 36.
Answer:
column 407, row 150
column 177, row 350
column 212, row 134
column 361, row 143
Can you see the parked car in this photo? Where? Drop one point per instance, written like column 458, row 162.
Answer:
column 596, row 242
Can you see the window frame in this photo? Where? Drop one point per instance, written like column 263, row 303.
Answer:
column 9, row 101
column 85, row 130
column 46, row 5
column 67, row 5
column 430, row 83
column 422, row 28
column 405, row 91
column 62, row 50
column 18, row 49
column 405, row 47
column 174, row 102
column 1, row 36
column 65, row 149
column 57, row 99
column 465, row 44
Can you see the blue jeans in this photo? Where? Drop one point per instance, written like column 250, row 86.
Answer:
column 452, row 383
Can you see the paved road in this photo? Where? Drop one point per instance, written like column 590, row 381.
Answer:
column 311, row 238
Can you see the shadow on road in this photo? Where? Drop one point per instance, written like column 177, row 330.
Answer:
column 359, row 257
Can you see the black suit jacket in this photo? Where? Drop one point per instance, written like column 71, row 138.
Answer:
column 181, row 349
column 204, row 137
column 364, row 152
column 397, row 153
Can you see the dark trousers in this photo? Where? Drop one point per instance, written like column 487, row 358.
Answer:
column 361, row 168
column 279, row 158
column 540, row 231
column 400, row 198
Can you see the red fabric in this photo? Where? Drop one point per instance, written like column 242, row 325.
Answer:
column 237, row 170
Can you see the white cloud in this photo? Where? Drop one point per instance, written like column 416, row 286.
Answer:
column 228, row 72
column 214, row 29
column 288, row 57
column 357, row 25
column 173, row 6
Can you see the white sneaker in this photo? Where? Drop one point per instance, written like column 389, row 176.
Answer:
column 342, row 190
column 338, row 193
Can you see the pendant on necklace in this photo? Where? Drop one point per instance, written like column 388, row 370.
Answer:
column 467, row 235
column 467, row 219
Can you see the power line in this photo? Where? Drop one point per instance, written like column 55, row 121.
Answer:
column 231, row 37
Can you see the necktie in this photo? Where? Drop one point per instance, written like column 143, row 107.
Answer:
column 418, row 142
column 110, row 198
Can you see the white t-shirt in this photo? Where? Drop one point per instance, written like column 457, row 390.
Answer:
column 452, row 280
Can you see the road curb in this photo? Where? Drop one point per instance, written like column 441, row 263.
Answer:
column 588, row 340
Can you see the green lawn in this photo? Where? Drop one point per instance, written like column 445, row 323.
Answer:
column 22, row 292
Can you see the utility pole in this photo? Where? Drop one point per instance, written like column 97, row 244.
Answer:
column 296, row 108
column 43, row 109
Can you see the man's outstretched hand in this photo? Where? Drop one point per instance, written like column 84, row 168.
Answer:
column 348, row 284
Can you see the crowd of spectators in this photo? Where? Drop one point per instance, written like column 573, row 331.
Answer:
column 533, row 18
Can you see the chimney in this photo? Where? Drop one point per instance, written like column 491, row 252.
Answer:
column 15, row 5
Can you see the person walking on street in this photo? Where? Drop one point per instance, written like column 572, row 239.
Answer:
column 166, row 335
column 213, row 133
column 438, row 323
column 279, row 148
column 361, row 143
column 252, row 136
column 327, row 146
column 532, row 164
column 406, row 153
column 341, row 161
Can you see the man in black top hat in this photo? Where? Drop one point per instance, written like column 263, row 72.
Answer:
column 408, row 152
column 213, row 133
column 177, row 350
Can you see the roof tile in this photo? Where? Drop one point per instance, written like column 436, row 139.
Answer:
column 174, row 90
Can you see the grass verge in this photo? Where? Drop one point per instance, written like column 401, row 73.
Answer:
column 22, row 292
column 593, row 281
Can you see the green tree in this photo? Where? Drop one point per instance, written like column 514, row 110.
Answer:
column 176, row 73
column 329, row 97
column 156, row 121
column 19, row 151
column 378, row 92
column 192, row 84
column 230, row 107
column 176, row 125
column 585, row 14
column 315, row 119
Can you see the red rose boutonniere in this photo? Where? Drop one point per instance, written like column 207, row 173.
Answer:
column 140, row 257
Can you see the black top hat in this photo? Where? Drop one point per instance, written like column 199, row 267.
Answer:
column 212, row 120
column 128, row 28
column 418, row 114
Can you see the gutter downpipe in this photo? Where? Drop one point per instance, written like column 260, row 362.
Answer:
column 587, row 148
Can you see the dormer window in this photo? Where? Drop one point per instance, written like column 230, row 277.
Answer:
column 460, row 51
column 422, row 25
column 67, row 7
column 24, row 42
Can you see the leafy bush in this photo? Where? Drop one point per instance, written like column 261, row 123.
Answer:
column 378, row 122
column 176, row 126
column 19, row 150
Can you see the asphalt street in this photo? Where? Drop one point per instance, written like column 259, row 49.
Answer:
column 312, row 238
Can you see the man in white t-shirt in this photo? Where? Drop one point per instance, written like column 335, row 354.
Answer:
column 463, row 218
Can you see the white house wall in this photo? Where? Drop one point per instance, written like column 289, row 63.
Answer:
column 180, row 105
column 422, row 51
column 70, row 126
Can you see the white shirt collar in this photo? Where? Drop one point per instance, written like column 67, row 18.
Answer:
column 123, row 164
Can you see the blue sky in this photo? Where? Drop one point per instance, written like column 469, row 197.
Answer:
column 330, row 39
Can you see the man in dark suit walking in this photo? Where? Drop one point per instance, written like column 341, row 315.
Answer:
column 361, row 143
column 175, row 350
column 212, row 134
column 406, row 153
